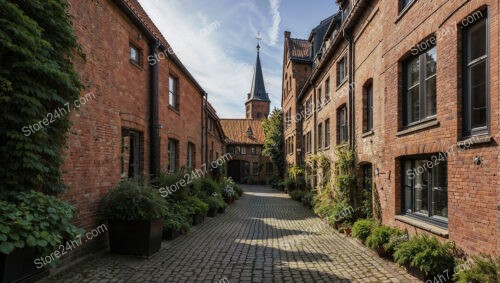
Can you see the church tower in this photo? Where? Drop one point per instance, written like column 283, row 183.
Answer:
column 258, row 103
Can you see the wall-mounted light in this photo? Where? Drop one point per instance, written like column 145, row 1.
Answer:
column 378, row 173
column 477, row 160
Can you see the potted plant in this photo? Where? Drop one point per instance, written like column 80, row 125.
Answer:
column 171, row 228
column 223, row 207
column 346, row 228
column 214, row 203
column 363, row 228
column 32, row 226
column 135, row 219
column 197, row 207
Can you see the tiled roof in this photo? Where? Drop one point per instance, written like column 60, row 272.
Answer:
column 299, row 48
column 236, row 131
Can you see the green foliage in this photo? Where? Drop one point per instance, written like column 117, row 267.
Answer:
column 274, row 141
column 483, row 269
column 386, row 238
column 215, row 202
column 427, row 254
column 290, row 184
column 396, row 238
column 131, row 201
column 341, row 212
column 35, row 220
column 307, row 199
column 37, row 46
column 363, row 228
column 173, row 220
column 170, row 184
column 297, row 194
column 295, row 171
column 195, row 205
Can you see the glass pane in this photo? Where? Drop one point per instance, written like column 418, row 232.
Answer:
column 407, row 186
column 421, row 187
column 431, row 61
column 414, row 104
column 134, row 54
column 477, row 41
column 440, row 190
column 478, row 94
column 413, row 72
column 430, row 91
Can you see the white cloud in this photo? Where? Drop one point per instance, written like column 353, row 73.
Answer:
column 273, row 31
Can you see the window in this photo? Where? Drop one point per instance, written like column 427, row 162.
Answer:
column 212, row 152
column 320, row 137
column 319, row 98
column 420, row 87
column 259, row 115
column 341, row 70
column 368, row 109
column 135, row 55
column 327, row 132
column 342, row 125
column 256, row 168
column 425, row 192
column 269, row 168
column 476, row 78
column 173, row 155
column 309, row 107
column 230, row 149
column 173, row 95
column 253, row 150
column 243, row 150
column 327, row 90
column 131, row 157
column 190, row 155
column 403, row 4
column 308, row 142
column 238, row 150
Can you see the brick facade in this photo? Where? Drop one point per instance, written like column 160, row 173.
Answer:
column 383, row 37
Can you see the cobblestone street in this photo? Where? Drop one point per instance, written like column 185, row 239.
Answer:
column 243, row 245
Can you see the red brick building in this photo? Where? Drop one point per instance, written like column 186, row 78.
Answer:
column 412, row 86
column 245, row 137
column 148, row 110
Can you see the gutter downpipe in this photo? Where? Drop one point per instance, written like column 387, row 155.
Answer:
column 348, row 36
column 154, row 125
column 206, row 128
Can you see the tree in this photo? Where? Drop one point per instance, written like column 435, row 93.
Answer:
column 274, row 142
column 37, row 81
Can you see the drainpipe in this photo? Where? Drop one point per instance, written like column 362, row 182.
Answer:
column 348, row 36
column 202, row 108
column 154, row 126
column 206, row 127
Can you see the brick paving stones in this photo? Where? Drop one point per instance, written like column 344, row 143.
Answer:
column 243, row 245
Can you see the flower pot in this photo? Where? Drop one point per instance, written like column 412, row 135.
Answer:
column 170, row 234
column 135, row 237
column 229, row 200
column 221, row 210
column 198, row 218
column 212, row 211
column 19, row 266
column 347, row 231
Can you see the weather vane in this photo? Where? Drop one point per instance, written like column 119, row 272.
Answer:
column 259, row 38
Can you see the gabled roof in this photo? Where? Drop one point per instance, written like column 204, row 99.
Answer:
column 318, row 33
column 298, row 48
column 258, row 90
column 236, row 131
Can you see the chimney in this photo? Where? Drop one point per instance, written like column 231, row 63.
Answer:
column 287, row 34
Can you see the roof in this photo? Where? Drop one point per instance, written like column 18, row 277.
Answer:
column 258, row 90
column 318, row 34
column 298, row 48
column 133, row 6
column 236, row 131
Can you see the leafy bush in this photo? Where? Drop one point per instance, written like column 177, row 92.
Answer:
column 196, row 205
column 341, row 212
column 215, row 202
column 238, row 190
column 484, row 269
column 35, row 220
column 426, row 253
column 307, row 199
column 396, row 238
column 290, row 184
column 183, row 214
column 173, row 220
column 386, row 238
column 169, row 186
column 363, row 228
column 297, row 195
column 130, row 201
column 210, row 187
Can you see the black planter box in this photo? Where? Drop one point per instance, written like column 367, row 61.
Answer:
column 198, row 218
column 221, row 210
column 212, row 212
column 19, row 266
column 170, row 234
column 135, row 237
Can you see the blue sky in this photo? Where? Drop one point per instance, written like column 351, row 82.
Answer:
column 216, row 41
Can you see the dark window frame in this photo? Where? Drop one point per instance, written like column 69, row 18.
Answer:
column 327, row 133
column 342, row 134
column 320, row 135
column 175, row 168
column 173, row 93
column 255, row 169
column 138, row 51
column 191, row 155
column 368, row 108
column 327, row 90
column 467, row 129
column 345, row 75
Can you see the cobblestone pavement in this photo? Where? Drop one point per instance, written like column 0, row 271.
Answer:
column 243, row 245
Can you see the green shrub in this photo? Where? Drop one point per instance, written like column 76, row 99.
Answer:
column 210, row 187
column 169, row 186
column 35, row 220
column 196, row 205
column 297, row 195
column 173, row 220
column 130, row 201
column 386, row 238
column 482, row 269
column 238, row 190
column 341, row 212
column 307, row 199
column 397, row 237
column 427, row 254
column 362, row 228
column 215, row 202
column 290, row 184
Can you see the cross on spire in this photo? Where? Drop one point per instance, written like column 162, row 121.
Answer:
column 259, row 38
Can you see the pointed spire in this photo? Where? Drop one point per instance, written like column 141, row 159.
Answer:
column 258, row 91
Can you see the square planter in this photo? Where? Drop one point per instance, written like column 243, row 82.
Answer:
column 229, row 200
column 19, row 266
column 212, row 212
column 135, row 237
column 198, row 218
column 170, row 234
column 221, row 210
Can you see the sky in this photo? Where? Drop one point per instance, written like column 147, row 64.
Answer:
column 216, row 41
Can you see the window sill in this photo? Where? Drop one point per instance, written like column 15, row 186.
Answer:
column 367, row 134
column 423, row 225
column 135, row 64
column 341, row 84
column 342, row 145
column 174, row 110
column 475, row 140
column 403, row 12
column 418, row 127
